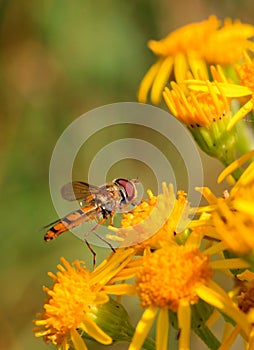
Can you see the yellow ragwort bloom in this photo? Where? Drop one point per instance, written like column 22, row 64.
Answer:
column 73, row 300
column 189, row 267
column 243, row 90
column 232, row 216
column 226, row 45
column 155, row 222
column 171, row 276
column 65, row 310
column 175, row 278
column 198, row 109
column 206, row 114
column 192, row 48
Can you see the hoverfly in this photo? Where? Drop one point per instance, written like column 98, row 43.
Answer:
column 97, row 203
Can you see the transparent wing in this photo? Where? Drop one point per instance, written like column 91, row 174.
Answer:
column 78, row 190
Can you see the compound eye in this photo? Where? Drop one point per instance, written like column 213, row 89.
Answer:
column 128, row 186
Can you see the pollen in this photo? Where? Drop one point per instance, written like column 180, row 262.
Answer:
column 171, row 275
column 140, row 212
column 154, row 222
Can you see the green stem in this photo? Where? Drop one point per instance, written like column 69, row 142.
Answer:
column 200, row 314
column 208, row 338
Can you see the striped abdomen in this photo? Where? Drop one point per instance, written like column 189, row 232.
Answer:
column 72, row 220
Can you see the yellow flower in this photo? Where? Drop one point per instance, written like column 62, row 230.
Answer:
column 235, row 227
column 242, row 90
column 175, row 278
column 190, row 269
column 191, row 48
column 206, row 114
column 155, row 222
column 234, row 219
column 171, row 281
column 233, row 216
column 245, row 72
column 74, row 301
column 226, row 45
column 198, row 109
column 186, row 38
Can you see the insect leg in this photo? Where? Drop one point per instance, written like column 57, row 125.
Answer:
column 95, row 227
column 105, row 241
column 111, row 221
column 92, row 251
column 102, row 239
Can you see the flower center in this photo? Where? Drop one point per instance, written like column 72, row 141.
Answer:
column 172, row 274
column 140, row 212
column 153, row 223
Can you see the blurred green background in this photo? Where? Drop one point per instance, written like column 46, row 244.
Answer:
column 58, row 60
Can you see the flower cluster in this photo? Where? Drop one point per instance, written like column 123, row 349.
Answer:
column 168, row 251
column 190, row 50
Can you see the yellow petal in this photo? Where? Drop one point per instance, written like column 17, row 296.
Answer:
column 235, row 263
column 162, row 327
column 244, row 206
column 161, row 79
column 91, row 328
column 184, row 322
column 77, row 341
column 228, row 341
column 198, row 66
column 101, row 298
column 240, row 114
column 229, row 90
column 120, row 289
column 246, row 275
column 217, row 297
column 110, row 266
column 251, row 340
column 194, row 240
column 143, row 328
column 181, row 67
column 207, row 193
column 147, row 81
column 215, row 249
column 233, row 166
